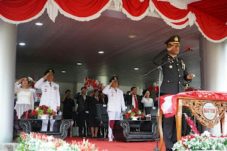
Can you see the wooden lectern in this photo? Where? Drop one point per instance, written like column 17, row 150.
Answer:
column 208, row 107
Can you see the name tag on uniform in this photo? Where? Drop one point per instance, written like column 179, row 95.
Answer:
column 104, row 105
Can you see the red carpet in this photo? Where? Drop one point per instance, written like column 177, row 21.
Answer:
column 103, row 144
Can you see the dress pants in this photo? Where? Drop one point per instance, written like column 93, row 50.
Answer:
column 169, row 132
column 112, row 117
column 45, row 125
column 82, row 116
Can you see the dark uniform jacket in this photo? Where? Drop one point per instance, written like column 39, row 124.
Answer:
column 174, row 73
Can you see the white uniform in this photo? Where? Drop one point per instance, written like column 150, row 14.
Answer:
column 50, row 93
column 50, row 97
column 115, row 106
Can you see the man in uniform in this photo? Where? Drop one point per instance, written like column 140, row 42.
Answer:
column 175, row 76
column 116, row 103
column 50, row 95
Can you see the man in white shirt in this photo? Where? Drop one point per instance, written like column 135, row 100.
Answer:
column 50, row 95
column 116, row 104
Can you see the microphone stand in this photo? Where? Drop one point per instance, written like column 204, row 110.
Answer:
column 162, row 64
column 159, row 68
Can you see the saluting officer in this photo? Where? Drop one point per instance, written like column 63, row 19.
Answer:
column 116, row 103
column 175, row 76
column 50, row 95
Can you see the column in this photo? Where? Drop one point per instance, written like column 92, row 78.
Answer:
column 214, row 70
column 8, row 34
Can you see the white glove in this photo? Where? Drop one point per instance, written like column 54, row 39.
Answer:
column 124, row 109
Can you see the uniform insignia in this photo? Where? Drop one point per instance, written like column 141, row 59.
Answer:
column 183, row 64
column 170, row 66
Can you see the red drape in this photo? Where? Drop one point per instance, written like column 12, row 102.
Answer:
column 21, row 10
column 211, row 27
column 82, row 8
column 135, row 8
column 210, row 16
column 170, row 11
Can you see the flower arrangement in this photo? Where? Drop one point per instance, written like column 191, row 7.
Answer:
column 134, row 113
column 39, row 111
column 42, row 142
column 45, row 110
column 33, row 114
column 201, row 142
column 93, row 84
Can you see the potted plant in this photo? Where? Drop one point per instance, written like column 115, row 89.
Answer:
column 204, row 141
column 134, row 114
column 45, row 112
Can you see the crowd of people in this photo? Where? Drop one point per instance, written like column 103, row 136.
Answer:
column 82, row 108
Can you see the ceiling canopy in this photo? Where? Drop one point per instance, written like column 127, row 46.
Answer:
column 209, row 16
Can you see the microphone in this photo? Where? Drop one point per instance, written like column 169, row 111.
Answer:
column 185, row 52
column 188, row 49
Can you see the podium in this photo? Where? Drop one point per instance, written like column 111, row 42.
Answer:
column 206, row 106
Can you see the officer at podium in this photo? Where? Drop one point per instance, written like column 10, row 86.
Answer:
column 175, row 76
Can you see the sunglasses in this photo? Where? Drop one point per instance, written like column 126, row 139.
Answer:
column 174, row 45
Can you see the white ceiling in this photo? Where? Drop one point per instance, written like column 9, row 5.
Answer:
column 65, row 42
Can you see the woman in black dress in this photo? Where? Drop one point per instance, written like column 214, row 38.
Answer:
column 93, row 118
column 68, row 105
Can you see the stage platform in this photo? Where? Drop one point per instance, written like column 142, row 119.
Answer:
column 105, row 145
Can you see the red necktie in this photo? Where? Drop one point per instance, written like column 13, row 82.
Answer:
column 136, row 102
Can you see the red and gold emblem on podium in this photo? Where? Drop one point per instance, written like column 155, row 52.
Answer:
column 210, row 111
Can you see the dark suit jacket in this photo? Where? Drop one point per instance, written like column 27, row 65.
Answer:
column 128, row 101
column 174, row 73
column 82, row 104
